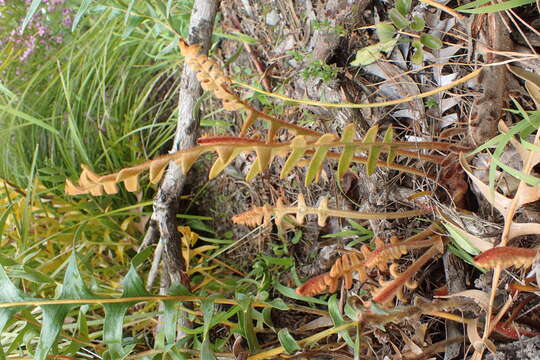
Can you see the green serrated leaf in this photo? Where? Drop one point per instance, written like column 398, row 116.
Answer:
column 318, row 157
column 54, row 315
column 388, row 139
column 417, row 23
column 398, row 19
column 337, row 319
column 374, row 150
column 288, row 342
column 385, row 32
column 8, row 293
column 114, row 314
column 403, row 6
column 431, row 41
column 207, row 307
column 245, row 321
column 348, row 150
column 170, row 311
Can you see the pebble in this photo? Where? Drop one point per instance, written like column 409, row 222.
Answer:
column 272, row 18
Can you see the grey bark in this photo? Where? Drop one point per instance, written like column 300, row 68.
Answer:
column 163, row 223
column 523, row 349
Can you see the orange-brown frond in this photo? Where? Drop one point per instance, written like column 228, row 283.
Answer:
column 317, row 285
column 210, row 75
column 254, row 217
column 506, row 256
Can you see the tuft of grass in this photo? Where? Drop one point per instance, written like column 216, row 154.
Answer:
column 106, row 98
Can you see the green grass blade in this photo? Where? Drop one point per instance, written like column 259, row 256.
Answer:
column 6, row 91
column 529, row 179
column 472, row 4
column 290, row 293
column 30, row 13
column 83, row 8
column 30, row 119
column 495, row 7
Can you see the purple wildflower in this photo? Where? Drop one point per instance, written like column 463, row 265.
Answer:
column 67, row 21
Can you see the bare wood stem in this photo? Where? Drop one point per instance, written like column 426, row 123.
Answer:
column 163, row 223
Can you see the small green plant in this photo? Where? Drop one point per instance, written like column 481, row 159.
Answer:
column 430, row 102
column 357, row 232
column 389, row 36
column 314, row 68
column 325, row 25
column 319, row 69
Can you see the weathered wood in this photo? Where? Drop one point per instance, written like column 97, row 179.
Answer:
column 487, row 108
column 163, row 224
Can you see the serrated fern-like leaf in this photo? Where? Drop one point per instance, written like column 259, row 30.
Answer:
column 262, row 215
column 390, row 289
column 322, row 146
column 114, row 314
column 8, row 293
column 170, row 312
column 360, row 263
column 347, row 153
column 227, row 148
column 212, row 78
column 54, row 315
column 506, row 256
column 374, row 151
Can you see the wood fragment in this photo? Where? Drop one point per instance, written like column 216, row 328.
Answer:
column 487, row 108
